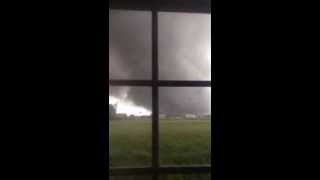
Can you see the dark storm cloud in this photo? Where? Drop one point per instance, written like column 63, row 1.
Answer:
column 129, row 45
column 130, row 58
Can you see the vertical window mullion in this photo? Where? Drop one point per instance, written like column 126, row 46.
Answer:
column 155, row 95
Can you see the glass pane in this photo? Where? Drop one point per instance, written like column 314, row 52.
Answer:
column 129, row 44
column 130, row 126
column 186, row 177
column 184, row 46
column 185, row 126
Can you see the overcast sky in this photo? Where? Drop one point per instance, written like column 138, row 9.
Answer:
column 184, row 54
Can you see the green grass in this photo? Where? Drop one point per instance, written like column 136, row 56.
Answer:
column 130, row 143
column 182, row 142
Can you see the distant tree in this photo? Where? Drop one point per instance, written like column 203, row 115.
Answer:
column 112, row 112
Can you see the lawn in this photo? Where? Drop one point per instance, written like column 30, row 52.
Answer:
column 182, row 142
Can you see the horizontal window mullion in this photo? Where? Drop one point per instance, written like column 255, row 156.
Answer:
column 130, row 82
column 191, row 6
column 130, row 171
column 194, row 169
column 184, row 83
column 160, row 83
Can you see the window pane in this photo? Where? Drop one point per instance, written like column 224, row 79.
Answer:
column 129, row 127
column 184, row 46
column 185, row 126
column 186, row 177
column 129, row 44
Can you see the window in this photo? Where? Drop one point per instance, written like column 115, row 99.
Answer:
column 163, row 65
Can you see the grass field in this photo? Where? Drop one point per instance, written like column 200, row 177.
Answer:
column 182, row 142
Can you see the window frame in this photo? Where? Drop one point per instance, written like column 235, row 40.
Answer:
column 182, row 6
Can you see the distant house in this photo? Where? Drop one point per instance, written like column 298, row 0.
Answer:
column 190, row 116
column 177, row 117
column 162, row 116
column 144, row 117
